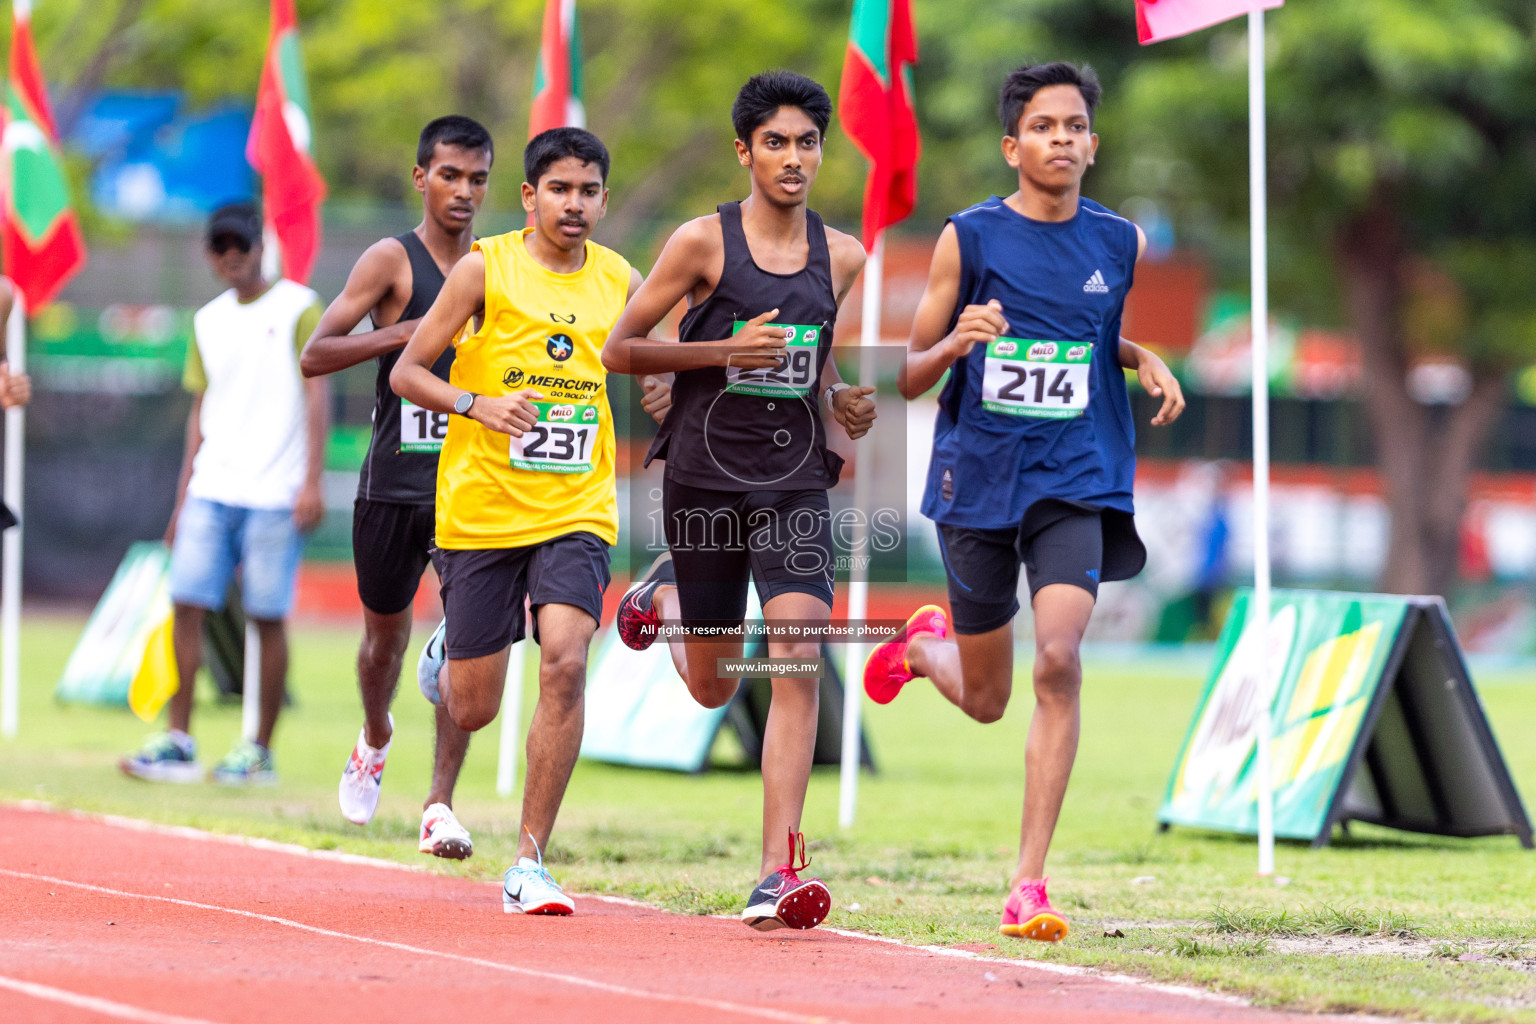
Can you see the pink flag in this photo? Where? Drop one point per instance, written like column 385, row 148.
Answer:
column 1157, row 20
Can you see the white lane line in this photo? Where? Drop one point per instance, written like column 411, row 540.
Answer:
column 718, row 1005
column 105, row 1007
column 293, row 849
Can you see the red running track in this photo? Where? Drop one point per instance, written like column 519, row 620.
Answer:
column 100, row 921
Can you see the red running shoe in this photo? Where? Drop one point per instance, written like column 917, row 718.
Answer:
column 783, row 900
column 1028, row 914
column 886, row 671
column 638, row 620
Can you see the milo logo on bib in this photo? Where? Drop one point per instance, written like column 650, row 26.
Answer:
column 1050, row 380
column 562, row 441
column 795, row 375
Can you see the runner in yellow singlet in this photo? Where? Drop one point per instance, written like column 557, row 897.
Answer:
column 526, row 504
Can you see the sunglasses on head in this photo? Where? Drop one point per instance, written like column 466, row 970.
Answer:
column 223, row 243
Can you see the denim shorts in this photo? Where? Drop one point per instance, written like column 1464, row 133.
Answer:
column 213, row 538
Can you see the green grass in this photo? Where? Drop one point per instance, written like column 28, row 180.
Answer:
column 934, row 844
column 1319, row 920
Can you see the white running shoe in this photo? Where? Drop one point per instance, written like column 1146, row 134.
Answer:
column 442, row 835
column 430, row 665
column 362, row 778
column 527, row 888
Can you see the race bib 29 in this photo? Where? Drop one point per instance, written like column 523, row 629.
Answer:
column 1043, row 379
column 562, row 441
column 796, row 373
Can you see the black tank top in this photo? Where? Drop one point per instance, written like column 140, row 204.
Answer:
column 734, row 430
column 397, row 470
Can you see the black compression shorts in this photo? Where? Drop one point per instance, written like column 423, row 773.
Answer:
column 780, row 540
column 1057, row 543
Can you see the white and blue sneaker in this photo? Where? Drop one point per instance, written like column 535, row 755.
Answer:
column 430, row 665
column 362, row 779
column 165, row 757
column 527, row 888
column 248, row 763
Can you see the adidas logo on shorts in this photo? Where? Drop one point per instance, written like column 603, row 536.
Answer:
column 1096, row 284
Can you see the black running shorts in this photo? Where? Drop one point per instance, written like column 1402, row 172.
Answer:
column 391, row 543
column 780, row 540
column 484, row 589
column 1057, row 543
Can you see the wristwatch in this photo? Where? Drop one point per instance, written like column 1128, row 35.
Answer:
column 832, row 389
column 463, row 402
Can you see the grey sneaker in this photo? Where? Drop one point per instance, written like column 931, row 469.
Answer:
column 430, row 665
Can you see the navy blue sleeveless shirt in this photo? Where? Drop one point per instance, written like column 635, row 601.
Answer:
column 1043, row 412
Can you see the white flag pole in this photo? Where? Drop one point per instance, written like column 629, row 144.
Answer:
column 858, row 572
column 511, row 722
column 10, row 548
column 1258, row 230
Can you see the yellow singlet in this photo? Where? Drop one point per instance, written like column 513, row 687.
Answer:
column 543, row 331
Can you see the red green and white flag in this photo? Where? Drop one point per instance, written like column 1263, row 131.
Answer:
column 1157, row 20
column 876, row 106
column 40, row 243
column 557, row 75
column 279, row 148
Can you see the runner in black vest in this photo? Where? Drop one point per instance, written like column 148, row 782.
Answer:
column 394, row 283
column 747, row 467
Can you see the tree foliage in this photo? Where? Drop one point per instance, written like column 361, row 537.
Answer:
column 1402, row 140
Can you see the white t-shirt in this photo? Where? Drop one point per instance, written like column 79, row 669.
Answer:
column 253, row 415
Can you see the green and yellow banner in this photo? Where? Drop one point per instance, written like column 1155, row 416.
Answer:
column 1328, row 657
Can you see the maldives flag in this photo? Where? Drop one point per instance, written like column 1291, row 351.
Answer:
column 875, row 105
column 278, row 148
column 1157, row 20
column 557, row 75
column 40, row 243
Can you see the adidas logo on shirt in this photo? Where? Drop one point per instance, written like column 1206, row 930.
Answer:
column 1096, row 284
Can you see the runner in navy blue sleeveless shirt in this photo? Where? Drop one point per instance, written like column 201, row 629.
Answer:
column 1033, row 450
column 394, row 283
column 744, row 494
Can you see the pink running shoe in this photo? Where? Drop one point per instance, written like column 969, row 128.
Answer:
column 886, row 671
column 1028, row 914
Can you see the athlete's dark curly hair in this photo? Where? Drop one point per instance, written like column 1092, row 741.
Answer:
column 764, row 94
column 1024, row 81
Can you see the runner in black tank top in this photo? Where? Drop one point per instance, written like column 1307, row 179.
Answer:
column 393, row 518
column 734, row 424
column 401, row 465
column 744, row 494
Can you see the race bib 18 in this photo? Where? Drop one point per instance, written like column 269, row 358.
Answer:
column 1044, row 379
column 421, row 430
column 795, row 374
column 562, row 441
